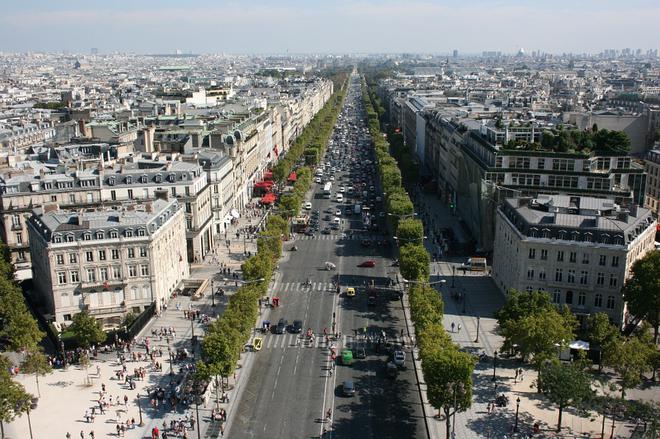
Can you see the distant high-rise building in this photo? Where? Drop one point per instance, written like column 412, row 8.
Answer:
column 455, row 54
column 94, row 51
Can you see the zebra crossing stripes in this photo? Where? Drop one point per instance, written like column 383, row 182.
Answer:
column 290, row 341
column 336, row 237
column 300, row 286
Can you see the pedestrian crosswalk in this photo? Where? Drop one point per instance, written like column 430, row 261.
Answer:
column 337, row 237
column 294, row 341
column 301, row 286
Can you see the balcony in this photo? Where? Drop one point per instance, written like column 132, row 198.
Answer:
column 106, row 310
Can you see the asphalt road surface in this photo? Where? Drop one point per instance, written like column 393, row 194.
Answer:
column 293, row 385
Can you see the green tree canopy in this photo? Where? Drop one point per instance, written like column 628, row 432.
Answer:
column 630, row 358
column 414, row 262
column 565, row 385
column 642, row 290
column 87, row 330
column 14, row 400
column 410, row 230
column 35, row 362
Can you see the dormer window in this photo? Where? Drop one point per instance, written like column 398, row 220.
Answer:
column 171, row 178
column 588, row 237
column 70, row 238
column 545, row 233
column 159, row 178
column 129, row 180
column 111, row 181
column 141, row 232
column 562, row 234
column 128, row 233
column 99, row 235
column 575, row 236
column 605, row 238
column 143, row 179
column 114, row 234
column 87, row 236
column 57, row 239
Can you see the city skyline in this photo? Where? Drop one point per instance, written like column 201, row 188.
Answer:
column 293, row 26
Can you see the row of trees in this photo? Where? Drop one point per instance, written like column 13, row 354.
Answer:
column 447, row 370
column 19, row 333
column 226, row 337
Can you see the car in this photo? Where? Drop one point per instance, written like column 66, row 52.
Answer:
column 365, row 243
column 326, row 231
column 342, row 189
column 318, row 180
column 359, row 351
column 399, row 358
column 350, row 292
column 392, row 370
column 296, row 326
column 281, row 326
column 308, row 205
column 348, row 388
column 332, row 178
column 367, row 264
column 338, row 212
column 346, row 357
column 309, row 232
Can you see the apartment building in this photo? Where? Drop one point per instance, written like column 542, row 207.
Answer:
column 128, row 182
column 652, row 168
column 109, row 261
column 578, row 249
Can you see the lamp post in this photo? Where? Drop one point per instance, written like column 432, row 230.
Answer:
column 515, row 426
column 212, row 293
column 199, row 428
column 169, row 353
column 453, row 275
column 494, row 364
column 192, row 333
column 140, row 410
column 29, row 422
column 476, row 340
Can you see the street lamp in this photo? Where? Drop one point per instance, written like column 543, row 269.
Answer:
column 494, row 364
column 515, row 427
column 476, row 340
column 140, row 410
column 169, row 354
column 212, row 294
column 453, row 275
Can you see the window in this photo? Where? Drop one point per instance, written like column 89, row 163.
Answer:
column 602, row 260
column 128, row 233
column 91, row 275
column 61, row 277
column 610, row 302
column 115, row 253
column 101, row 255
column 89, row 256
column 19, row 237
column 613, row 280
column 532, row 253
column 189, row 223
column 582, row 298
column 131, row 252
column 540, row 164
column 116, row 272
column 560, row 256
column 70, row 238
column 572, row 257
column 584, row 277
column 132, row 271
column 57, row 239
column 541, row 275
column 72, row 198
column 585, row 258
column 598, row 300
column 16, row 220
column 544, row 255
column 556, row 296
column 571, row 277
column 143, row 252
column 529, row 289
column 559, row 274
column 87, row 236
column 144, row 270
column 114, row 234
column 615, row 261
column 173, row 189
column 141, row 232
column 73, row 258
column 130, row 193
column 103, row 274
column 74, row 276
column 530, row 273
column 113, row 195
column 600, row 279
column 60, row 259
column 569, row 297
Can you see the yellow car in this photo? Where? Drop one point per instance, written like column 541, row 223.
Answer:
column 350, row 292
column 257, row 343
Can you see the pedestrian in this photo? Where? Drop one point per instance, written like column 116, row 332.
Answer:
column 68, row 435
column 118, row 430
column 91, row 434
column 125, row 400
column 82, row 435
column 452, row 326
column 459, row 328
column 515, row 378
column 488, row 408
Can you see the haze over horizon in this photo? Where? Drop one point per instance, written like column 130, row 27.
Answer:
column 296, row 26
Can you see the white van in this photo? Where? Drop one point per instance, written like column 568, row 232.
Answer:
column 340, row 198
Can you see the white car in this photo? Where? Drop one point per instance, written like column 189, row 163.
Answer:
column 342, row 189
column 332, row 178
column 318, row 180
column 399, row 358
column 308, row 205
column 338, row 212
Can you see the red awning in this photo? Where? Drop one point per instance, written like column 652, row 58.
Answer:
column 264, row 184
column 293, row 177
column 269, row 198
column 268, row 175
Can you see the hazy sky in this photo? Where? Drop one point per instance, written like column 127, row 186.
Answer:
column 260, row 26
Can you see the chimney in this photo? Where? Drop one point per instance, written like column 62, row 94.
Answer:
column 148, row 207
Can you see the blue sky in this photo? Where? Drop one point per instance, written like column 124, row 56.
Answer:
column 322, row 26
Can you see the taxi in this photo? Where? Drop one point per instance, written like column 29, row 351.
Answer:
column 350, row 292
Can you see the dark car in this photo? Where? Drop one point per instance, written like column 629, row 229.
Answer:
column 309, row 232
column 365, row 243
column 281, row 326
column 296, row 327
column 326, row 231
column 348, row 388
